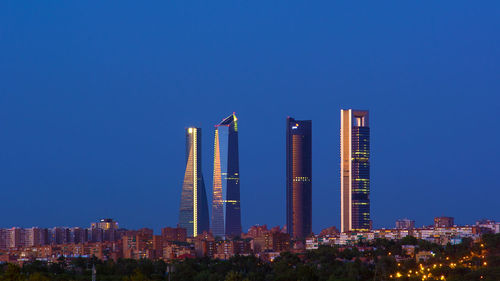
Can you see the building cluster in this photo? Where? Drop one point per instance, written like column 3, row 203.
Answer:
column 103, row 240
column 104, row 230
column 106, row 241
column 174, row 243
column 443, row 231
column 220, row 236
column 226, row 212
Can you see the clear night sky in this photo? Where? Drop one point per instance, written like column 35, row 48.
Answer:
column 94, row 99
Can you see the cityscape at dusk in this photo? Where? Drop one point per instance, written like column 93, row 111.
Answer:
column 358, row 141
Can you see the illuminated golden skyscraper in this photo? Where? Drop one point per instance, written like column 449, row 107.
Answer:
column 226, row 212
column 193, row 215
column 354, row 170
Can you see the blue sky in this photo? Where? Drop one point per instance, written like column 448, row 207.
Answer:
column 94, row 99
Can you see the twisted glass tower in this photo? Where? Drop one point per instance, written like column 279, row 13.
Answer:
column 226, row 213
column 354, row 170
column 298, row 177
column 193, row 215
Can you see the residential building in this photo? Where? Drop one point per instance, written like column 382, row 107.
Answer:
column 405, row 224
column 444, row 222
column 174, row 234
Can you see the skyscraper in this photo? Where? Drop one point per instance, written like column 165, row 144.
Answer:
column 354, row 170
column 226, row 213
column 298, row 177
column 193, row 215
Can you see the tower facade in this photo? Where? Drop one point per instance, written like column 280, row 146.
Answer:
column 193, row 215
column 354, row 170
column 298, row 177
column 226, row 212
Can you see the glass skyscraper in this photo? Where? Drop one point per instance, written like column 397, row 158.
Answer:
column 226, row 212
column 298, row 178
column 193, row 215
column 354, row 170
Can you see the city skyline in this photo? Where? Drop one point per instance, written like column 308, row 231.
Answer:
column 92, row 112
column 354, row 125
column 354, row 135
column 105, row 241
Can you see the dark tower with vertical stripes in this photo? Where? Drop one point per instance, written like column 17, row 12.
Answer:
column 298, row 177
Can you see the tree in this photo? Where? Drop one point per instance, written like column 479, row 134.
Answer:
column 234, row 276
column 409, row 240
column 37, row 276
column 285, row 266
column 306, row 273
column 137, row 276
column 12, row 273
column 385, row 266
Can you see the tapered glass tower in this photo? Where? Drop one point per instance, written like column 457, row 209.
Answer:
column 226, row 212
column 193, row 215
column 354, row 170
column 298, row 177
